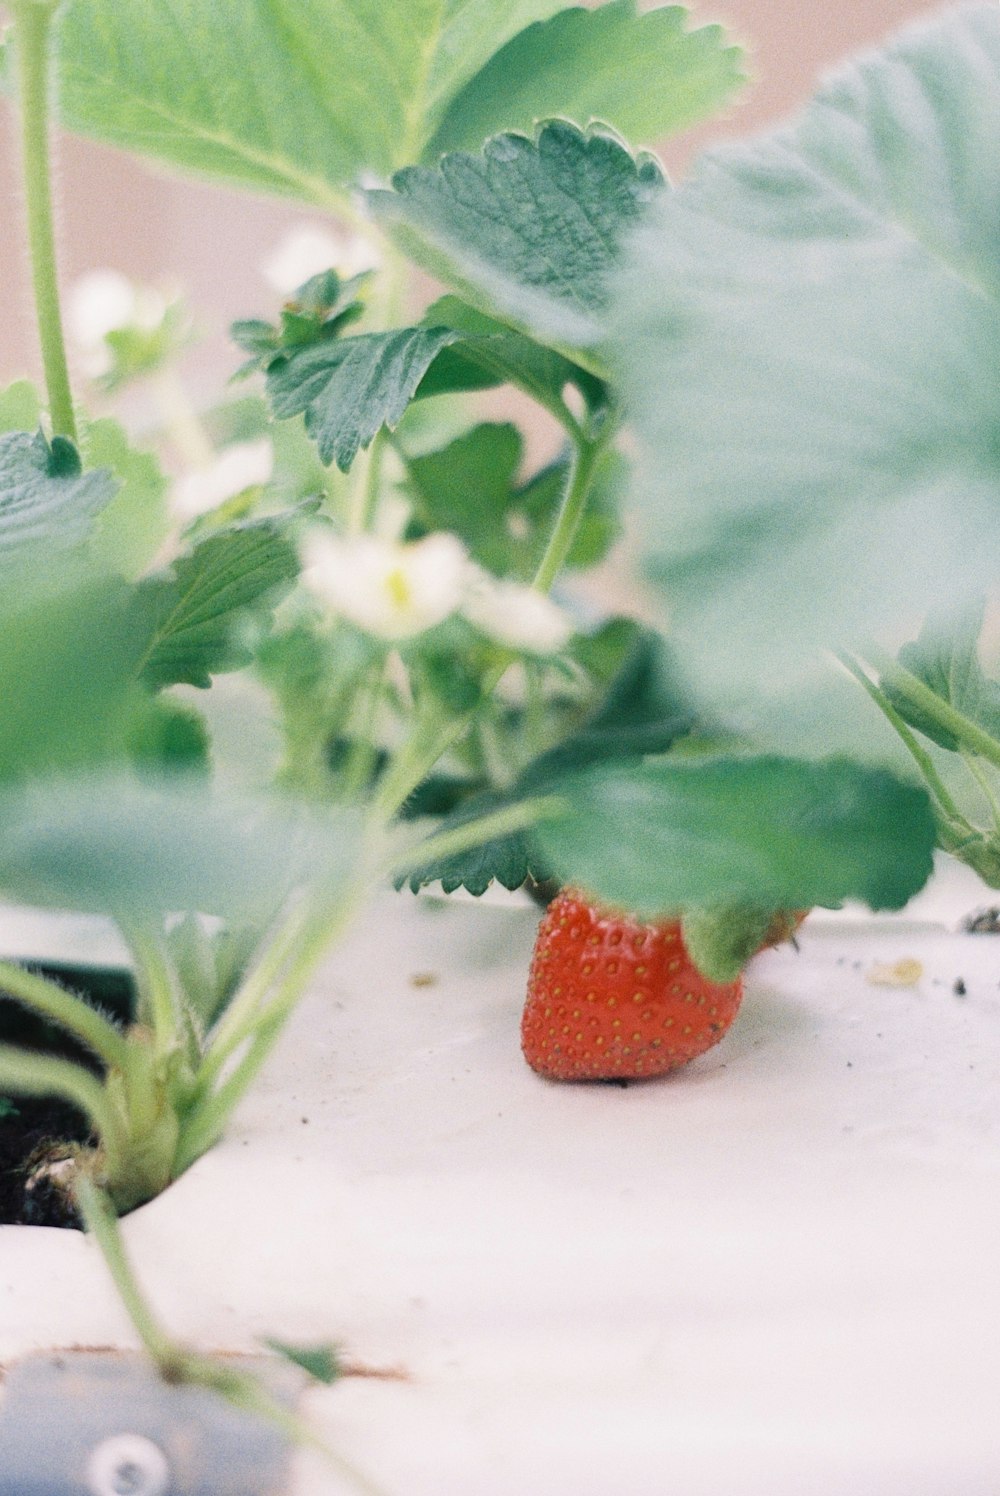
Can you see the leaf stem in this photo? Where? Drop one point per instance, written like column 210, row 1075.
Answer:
column 71, row 1013
column 159, row 999
column 33, row 22
column 457, row 839
column 312, row 938
column 571, row 511
column 968, row 733
column 919, row 754
column 26, row 1073
column 978, row 773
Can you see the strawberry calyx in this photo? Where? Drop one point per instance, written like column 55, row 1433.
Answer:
column 721, row 941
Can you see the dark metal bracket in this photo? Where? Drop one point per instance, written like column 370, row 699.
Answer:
column 102, row 1423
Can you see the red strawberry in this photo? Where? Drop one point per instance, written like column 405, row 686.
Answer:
column 610, row 997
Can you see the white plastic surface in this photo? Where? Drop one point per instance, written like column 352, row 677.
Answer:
column 775, row 1272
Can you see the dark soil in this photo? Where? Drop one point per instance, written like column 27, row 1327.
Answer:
column 31, row 1127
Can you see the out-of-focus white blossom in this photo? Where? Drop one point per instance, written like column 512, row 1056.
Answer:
column 239, row 467
column 514, row 615
column 308, row 249
column 394, row 590
column 99, row 302
column 103, row 302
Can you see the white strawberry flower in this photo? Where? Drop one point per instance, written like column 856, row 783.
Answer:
column 236, row 468
column 100, row 302
column 515, row 615
column 308, row 249
column 392, row 589
column 106, row 301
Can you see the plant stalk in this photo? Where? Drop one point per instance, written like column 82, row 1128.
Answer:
column 25, row 1073
column 457, row 839
column 69, row 1012
column 570, row 513
column 174, row 1362
column 33, row 23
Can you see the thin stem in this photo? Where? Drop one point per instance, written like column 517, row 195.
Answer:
column 978, row 773
column 360, row 763
column 385, row 312
column 175, row 1362
column 101, row 1221
column 33, row 22
column 475, row 833
column 159, row 997
column 237, row 1021
column 968, row 733
column 208, row 1118
column 570, row 513
column 26, row 1073
column 71, row 1013
column 919, row 754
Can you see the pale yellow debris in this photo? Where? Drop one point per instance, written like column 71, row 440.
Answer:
column 905, row 973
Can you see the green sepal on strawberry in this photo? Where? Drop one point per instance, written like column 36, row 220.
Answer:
column 611, row 997
column 721, row 941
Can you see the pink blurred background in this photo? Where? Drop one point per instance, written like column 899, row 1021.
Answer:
column 119, row 212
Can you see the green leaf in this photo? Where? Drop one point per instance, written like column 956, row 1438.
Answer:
column 808, row 340
column 646, row 76
column 45, row 500
column 167, row 736
column 297, row 97
column 191, row 618
column 110, row 845
column 350, row 388
column 67, row 667
column 946, row 659
column 321, row 1362
column 471, row 486
column 529, row 230
column 131, row 528
column 508, row 860
column 778, row 833
column 645, row 709
column 210, row 962
column 20, row 407
column 490, row 354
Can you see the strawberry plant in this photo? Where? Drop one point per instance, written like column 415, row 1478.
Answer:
column 782, row 370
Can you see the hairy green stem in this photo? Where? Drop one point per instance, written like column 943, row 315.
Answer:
column 159, row 999
column 988, row 791
column 33, row 23
column 299, row 950
column 71, row 1013
column 101, row 1220
column 25, row 1073
column 385, row 311
column 237, row 1022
